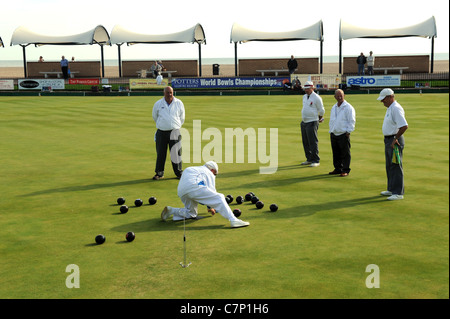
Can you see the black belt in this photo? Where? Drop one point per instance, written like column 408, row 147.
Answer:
column 389, row 136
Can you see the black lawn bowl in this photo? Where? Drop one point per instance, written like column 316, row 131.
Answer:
column 100, row 239
column 273, row 207
column 255, row 199
column 259, row 204
column 130, row 236
column 237, row 212
column 121, row 201
column 124, row 209
column 152, row 200
column 138, row 202
column 239, row 199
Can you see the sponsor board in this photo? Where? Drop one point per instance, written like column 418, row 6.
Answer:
column 374, row 80
column 147, row 83
column 6, row 84
column 84, row 81
column 37, row 84
column 228, row 82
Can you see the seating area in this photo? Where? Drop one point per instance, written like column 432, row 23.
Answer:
column 392, row 64
column 261, row 67
column 84, row 69
column 182, row 68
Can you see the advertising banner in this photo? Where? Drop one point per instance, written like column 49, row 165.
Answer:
column 84, row 81
column 321, row 81
column 38, row 84
column 228, row 82
column 374, row 80
column 148, row 83
column 6, row 84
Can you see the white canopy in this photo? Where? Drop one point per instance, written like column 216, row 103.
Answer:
column 239, row 34
column 242, row 35
column 23, row 36
column 119, row 35
column 425, row 29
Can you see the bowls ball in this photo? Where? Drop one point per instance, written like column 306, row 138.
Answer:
column 152, row 200
column 130, row 236
column 273, row 207
column 259, row 204
column 237, row 212
column 124, row 209
column 138, row 202
column 121, row 201
column 239, row 199
column 100, row 239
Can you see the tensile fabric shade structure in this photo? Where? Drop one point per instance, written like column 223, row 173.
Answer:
column 195, row 34
column 24, row 37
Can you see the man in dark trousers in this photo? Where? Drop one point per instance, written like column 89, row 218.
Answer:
column 168, row 114
column 292, row 65
column 361, row 61
column 342, row 123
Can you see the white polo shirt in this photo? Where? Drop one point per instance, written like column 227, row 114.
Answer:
column 168, row 117
column 312, row 107
column 342, row 119
column 394, row 119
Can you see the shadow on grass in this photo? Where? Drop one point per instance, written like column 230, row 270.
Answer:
column 88, row 187
column 156, row 224
column 311, row 209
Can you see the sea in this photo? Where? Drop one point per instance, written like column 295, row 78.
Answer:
column 223, row 60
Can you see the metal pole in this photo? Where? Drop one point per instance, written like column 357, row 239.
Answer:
column 235, row 60
column 432, row 54
column 200, row 58
column 103, row 61
column 340, row 56
column 120, row 60
column 321, row 56
column 24, row 61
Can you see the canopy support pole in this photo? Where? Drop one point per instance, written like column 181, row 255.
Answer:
column 432, row 54
column 321, row 56
column 200, row 58
column 103, row 61
column 340, row 56
column 25, row 74
column 120, row 59
column 235, row 60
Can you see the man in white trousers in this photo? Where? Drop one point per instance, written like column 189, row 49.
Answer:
column 198, row 186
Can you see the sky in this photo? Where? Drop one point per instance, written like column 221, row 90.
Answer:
column 59, row 18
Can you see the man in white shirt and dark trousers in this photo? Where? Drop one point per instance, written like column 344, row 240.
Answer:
column 198, row 186
column 342, row 123
column 168, row 114
column 312, row 115
column 394, row 125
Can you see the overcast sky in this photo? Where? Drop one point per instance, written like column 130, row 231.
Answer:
column 56, row 17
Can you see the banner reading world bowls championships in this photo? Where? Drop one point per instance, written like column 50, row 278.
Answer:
column 230, row 82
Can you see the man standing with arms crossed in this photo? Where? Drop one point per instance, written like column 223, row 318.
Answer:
column 168, row 114
column 342, row 123
column 312, row 115
column 394, row 125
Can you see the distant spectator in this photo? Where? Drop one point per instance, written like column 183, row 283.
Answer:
column 156, row 69
column 292, row 65
column 161, row 65
column 41, row 59
column 370, row 63
column 159, row 79
column 361, row 61
column 297, row 84
column 73, row 59
column 65, row 67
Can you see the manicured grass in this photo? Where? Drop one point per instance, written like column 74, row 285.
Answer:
column 66, row 160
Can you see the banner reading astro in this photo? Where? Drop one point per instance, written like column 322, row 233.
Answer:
column 147, row 83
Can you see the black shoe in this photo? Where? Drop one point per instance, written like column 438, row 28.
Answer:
column 335, row 172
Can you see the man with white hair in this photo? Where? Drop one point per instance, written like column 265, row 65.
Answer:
column 312, row 115
column 197, row 186
column 394, row 125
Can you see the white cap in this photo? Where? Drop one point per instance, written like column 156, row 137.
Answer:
column 384, row 93
column 212, row 165
column 308, row 84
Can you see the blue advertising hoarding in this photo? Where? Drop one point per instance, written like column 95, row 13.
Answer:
column 374, row 80
column 228, row 82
